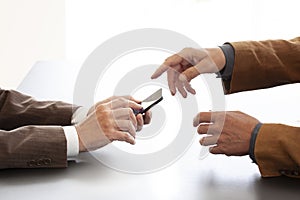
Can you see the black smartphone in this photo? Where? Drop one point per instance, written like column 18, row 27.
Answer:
column 150, row 101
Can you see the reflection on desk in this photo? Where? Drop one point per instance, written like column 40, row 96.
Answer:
column 215, row 177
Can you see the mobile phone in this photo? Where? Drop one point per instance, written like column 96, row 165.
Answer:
column 149, row 102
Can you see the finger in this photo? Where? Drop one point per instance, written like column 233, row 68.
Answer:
column 189, row 74
column 131, row 99
column 174, row 60
column 123, row 103
column 159, row 71
column 172, row 75
column 215, row 150
column 147, row 117
column 126, row 125
column 203, row 128
column 209, row 140
column 122, row 113
column 201, row 117
column 118, row 103
column 140, row 122
column 134, row 105
column 189, row 88
column 209, row 128
column 123, row 136
column 125, row 114
column 106, row 100
column 169, row 62
column 185, row 63
column 181, row 89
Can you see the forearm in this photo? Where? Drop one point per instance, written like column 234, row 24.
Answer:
column 18, row 110
column 33, row 147
column 265, row 64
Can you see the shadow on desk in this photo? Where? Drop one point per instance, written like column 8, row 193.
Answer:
column 277, row 188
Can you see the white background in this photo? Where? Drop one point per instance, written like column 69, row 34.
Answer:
column 209, row 23
column 30, row 30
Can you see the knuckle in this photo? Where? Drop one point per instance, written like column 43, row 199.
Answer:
column 100, row 107
column 131, row 125
column 129, row 97
column 106, row 114
column 132, row 116
column 112, row 136
column 123, row 99
column 129, row 111
column 106, row 126
column 112, row 97
column 187, row 49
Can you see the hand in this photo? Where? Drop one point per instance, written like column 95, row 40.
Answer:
column 187, row 64
column 141, row 119
column 110, row 120
column 230, row 132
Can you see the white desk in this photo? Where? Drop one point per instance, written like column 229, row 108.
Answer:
column 215, row 177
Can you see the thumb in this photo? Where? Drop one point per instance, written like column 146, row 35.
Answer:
column 189, row 74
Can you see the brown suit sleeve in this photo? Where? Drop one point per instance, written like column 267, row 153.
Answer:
column 262, row 65
column 277, row 150
column 18, row 110
column 33, row 147
column 31, row 135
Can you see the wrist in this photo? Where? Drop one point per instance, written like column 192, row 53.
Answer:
column 218, row 57
column 81, row 145
column 79, row 115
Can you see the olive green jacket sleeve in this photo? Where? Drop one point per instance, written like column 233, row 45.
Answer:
column 266, row 64
column 31, row 134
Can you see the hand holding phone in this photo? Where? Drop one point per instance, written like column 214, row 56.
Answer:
column 150, row 101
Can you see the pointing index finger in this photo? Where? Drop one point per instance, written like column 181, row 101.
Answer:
column 169, row 62
column 159, row 71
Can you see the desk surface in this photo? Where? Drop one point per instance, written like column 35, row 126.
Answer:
column 215, row 177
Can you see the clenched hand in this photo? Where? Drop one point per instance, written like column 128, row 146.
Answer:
column 229, row 132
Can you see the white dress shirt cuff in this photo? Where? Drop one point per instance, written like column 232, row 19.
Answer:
column 79, row 115
column 72, row 141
